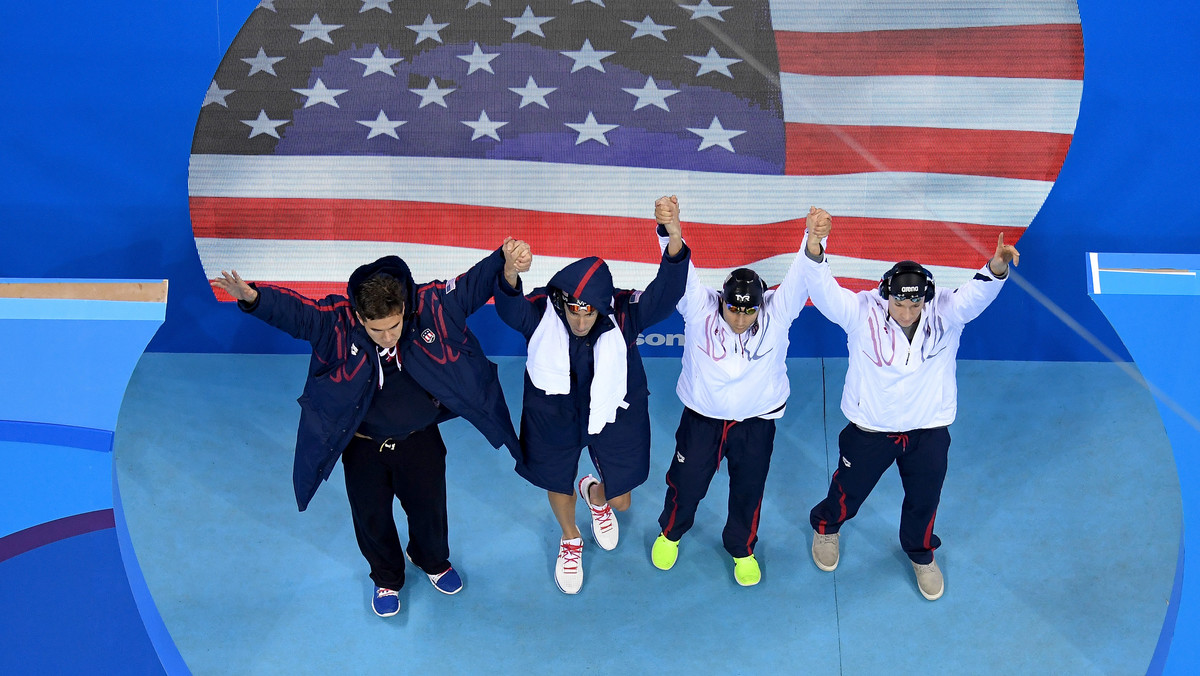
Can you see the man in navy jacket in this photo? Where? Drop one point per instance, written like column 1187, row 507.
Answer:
column 585, row 386
column 391, row 359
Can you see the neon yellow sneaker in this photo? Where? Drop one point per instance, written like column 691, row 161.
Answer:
column 745, row 571
column 664, row 552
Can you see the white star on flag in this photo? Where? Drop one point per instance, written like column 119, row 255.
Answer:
column 484, row 126
column 648, row 27
column 381, row 126
column 528, row 23
column 472, row 3
column 716, row 135
column 315, row 30
column 587, row 57
column 432, row 94
column 378, row 63
column 651, row 95
column 216, row 95
column 385, row 5
column 531, row 93
column 591, row 130
column 707, row 9
column 264, row 125
column 428, row 30
column 263, row 63
column 319, row 93
column 479, row 60
column 713, row 63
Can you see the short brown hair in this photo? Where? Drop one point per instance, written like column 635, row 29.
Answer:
column 381, row 295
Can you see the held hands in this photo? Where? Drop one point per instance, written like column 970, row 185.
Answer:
column 233, row 285
column 518, row 258
column 819, row 224
column 1005, row 253
column 666, row 212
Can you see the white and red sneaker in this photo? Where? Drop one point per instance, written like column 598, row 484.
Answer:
column 604, row 521
column 568, row 570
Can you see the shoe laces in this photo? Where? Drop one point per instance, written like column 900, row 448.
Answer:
column 384, row 591
column 827, row 538
column 603, row 516
column 570, row 554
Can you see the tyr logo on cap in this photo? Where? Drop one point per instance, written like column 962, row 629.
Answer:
column 428, row 336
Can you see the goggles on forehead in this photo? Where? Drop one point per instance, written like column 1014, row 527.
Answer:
column 751, row 311
column 579, row 307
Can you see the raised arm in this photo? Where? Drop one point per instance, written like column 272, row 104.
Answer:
column 839, row 305
column 517, row 259
column 969, row 300
column 285, row 309
column 512, row 306
column 666, row 289
column 792, row 292
column 472, row 289
column 666, row 214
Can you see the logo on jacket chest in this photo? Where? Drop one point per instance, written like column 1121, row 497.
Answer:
column 428, row 336
column 353, row 350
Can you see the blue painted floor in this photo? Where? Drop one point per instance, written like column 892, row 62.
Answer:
column 1060, row 523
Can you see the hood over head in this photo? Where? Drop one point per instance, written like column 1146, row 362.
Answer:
column 391, row 265
column 588, row 280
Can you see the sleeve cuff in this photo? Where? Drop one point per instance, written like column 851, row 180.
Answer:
column 252, row 306
column 680, row 257
column 506, row 288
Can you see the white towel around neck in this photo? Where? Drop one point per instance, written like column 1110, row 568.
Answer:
column 549, row 367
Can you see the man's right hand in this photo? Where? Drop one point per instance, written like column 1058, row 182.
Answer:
column 232, row 284
column 518, row 258
column 666, row 211
column 819, row 224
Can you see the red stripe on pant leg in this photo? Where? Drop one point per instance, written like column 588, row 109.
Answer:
column 929, row 530
column 841, row 503
column 674, row 502
column 754, row 527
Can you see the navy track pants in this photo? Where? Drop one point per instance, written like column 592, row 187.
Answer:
column 700, row 444
column 920, row 455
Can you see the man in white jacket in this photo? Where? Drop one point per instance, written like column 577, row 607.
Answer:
column 900, row 393
column 733, row 386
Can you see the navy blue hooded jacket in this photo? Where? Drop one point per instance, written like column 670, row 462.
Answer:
column 436, row 348
column 590, row 281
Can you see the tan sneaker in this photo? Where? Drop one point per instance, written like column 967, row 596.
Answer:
column 825, row 551
column 929, row 580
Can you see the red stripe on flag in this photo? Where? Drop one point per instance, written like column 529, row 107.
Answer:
column 625, row 239
column 816, row 149
column 1052, row 51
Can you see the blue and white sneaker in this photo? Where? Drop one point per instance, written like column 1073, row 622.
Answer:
column 385, row 602
column 447, row 581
